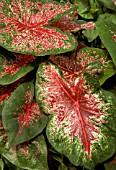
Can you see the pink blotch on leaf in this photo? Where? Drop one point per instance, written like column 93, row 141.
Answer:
column 30, row 113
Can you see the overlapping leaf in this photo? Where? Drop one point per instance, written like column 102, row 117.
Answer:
column 24, row 27
column 67, row 23
column 21, row 155
column 83, row 9
column 108, row 4
column 10, row 71
column 107, row 32
column 90, row 34
column 81, row 121
column 7, row 90
column 111, row 165
column 5, row 94
column 90, row 60
column 22, row 118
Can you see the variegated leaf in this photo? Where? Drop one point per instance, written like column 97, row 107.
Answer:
column 67, row 23
column 90, row 60
column 24, row 27
column 23, row 113
column 33, row 151
column 12, row 70
column 107, row 32
column 83, row 124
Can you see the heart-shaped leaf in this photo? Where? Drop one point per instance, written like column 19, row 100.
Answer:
column 90, row 34
column 10, row 71
column 82, row 124
column 107, row 32
column 20, row 155
column 24, row 114
column 24, row 27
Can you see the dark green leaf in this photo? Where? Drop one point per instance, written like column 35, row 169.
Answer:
column 107, row 32
column 113, row 91
column 1, row 165
column 23, row 113
column 84, row 9
column 9, row 165
column 108, row 4
column 72, row 168
column 62, row 167
column 107, row 72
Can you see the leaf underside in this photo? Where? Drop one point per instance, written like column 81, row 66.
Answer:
column 107, row 32
column 68, row 24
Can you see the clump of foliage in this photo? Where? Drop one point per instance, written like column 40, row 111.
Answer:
column 57, row 109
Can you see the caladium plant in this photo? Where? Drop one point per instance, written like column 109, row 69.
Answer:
column 24, row 27
column 80, row 121
column 109, row 27
column 57, row 85
column 15, row 69
column 34, row 151
column 25, row 113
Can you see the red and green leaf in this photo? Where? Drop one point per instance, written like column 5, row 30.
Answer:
column 81, row 121
column 24, row 27
column 90, row 60
column 23, row 113
column 107, row 32
column 67, row 23
column 6, row 91
column 10, row 71
column 20, row 155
